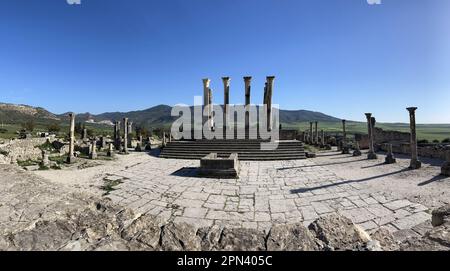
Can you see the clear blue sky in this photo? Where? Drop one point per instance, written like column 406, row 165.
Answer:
column 340, row 57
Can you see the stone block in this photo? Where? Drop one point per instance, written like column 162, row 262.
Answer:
column 214, row 166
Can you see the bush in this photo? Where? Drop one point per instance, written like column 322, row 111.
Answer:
column 53, row 128
column 3, row 131
column 435, row 141
column 29, row 125
column 423, row 141
column 447, row 140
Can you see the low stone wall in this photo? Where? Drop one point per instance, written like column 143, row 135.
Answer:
column 381, row 136
column 437, row 151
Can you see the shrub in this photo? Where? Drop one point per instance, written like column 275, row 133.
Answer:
column 423, row 141
column 447, row 140
column 53, row 128
column 3, row 131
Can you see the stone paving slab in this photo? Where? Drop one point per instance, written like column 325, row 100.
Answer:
column 267, row 192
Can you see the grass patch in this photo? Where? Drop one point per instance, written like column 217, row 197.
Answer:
column 58, row 159
column 27, row 163
column 109, row 185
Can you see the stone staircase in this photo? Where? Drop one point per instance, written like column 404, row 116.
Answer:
column 249, row 149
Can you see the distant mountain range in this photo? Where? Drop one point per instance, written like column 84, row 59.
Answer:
column 152, row 117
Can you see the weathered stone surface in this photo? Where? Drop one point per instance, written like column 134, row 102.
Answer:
column 295, row 237
column 144, row 229
column 385, row 239
column 179, row 237
column 438, row 239
column 210, row 237
column 339, row 233
column 441, row 216
column 239, row 239
column 46, row 235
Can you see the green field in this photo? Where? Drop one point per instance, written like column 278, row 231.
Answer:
column 428, row 132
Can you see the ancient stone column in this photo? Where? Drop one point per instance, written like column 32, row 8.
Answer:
column 270, row 80
column 93, row 151
column 322, row 138
column 390, row 159
column 226, row 100
column 247, row 81
column 84, row 134
column 345, row 148
column 415, row 163
column 311, row 132
column 207, row 100
column 445, row 169
column 130, row 131
column 117, row 135
column 371, row 154
column 110, row 152
column 125, row 136
column 316, row 134
column 357, row 151
column 71, row 157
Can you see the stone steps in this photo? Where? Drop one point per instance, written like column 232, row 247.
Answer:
column 246, row 149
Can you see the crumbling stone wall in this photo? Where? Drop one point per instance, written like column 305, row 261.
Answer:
column 431, row 151
column 382, row 136
column 22, row 149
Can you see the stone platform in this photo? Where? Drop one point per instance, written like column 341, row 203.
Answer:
column 249, row 149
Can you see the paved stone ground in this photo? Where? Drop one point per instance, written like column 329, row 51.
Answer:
column 265, row 193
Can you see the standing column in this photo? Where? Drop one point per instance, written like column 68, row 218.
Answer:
column 311, row 132
column 117, row 135
column 226, row 101
column 371, row 155
column 207, row 100
column 316, row 134
column 270, row 80
column 323, row 138
column 71, row 157
column 125, row 136
column 415, row 163
column 247, row 81
column 345, row 148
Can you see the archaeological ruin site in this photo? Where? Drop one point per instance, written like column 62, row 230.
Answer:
column 194, row 130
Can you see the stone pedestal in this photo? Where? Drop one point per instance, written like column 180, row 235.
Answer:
column 110, row 152
column 45, row 160
column 148, row 146
column 390, row 159
column 93, row 150
column 357, row 151
column 415, row 163
column 445, row 169
column 213, row 166
column 71, row 157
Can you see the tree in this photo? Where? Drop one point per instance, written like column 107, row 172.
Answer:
column 53, row 128
column 78, row 128
column 29, row 125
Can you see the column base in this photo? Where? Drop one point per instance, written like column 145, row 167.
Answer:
column 372, row 156
column 70, row 159
column 415, row 164
column 445, row 169
column 357, row 153
column 345, row 150
column 93, row 156
column 390, row 159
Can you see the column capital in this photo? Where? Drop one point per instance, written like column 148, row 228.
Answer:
column 411, row 109
column 206, row 82
column 226, row 80
column 247, row 78
column 270, row 78
column 368, row 115
column 343, row 121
